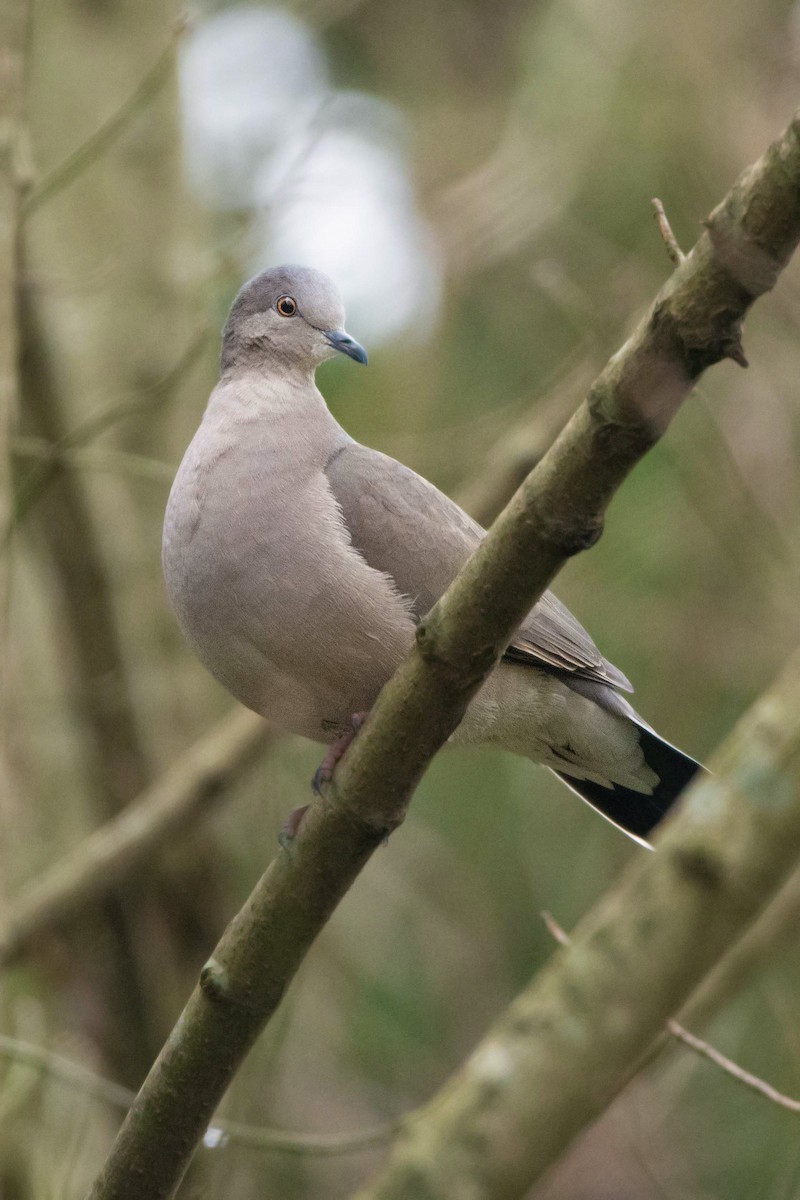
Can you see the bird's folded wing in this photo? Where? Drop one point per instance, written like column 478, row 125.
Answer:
column 407, row 528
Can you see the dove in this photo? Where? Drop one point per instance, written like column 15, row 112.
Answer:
column 298, row 563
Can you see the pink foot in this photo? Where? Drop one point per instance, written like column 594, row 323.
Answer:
column 324, row 772
column 322, row 776
column 289, row 828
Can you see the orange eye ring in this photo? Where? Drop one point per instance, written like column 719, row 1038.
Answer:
column 286, row 306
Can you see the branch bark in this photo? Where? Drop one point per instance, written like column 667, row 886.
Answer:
column 775, row 929
column 164, row 810
column 694, row 322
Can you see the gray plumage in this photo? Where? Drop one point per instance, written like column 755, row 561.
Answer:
column 298, row 561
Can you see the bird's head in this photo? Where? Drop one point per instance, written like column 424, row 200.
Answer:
column 293, row 315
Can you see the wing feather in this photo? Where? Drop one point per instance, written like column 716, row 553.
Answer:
column 406, row 527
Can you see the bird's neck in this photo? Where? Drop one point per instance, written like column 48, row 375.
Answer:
column 257, row 356
column 268, row 400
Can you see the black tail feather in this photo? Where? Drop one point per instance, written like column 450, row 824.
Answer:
column 635, row 812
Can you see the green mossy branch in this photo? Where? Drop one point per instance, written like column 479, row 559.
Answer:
column 694, row 322
column 573, row 1038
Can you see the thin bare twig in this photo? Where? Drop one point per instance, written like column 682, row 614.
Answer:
column 670, row 241
column 93, row 458
column 698, row 1045
column 104, row 137
column 31, row 489
column 521, row 447
column 221, row 1133
column 554, row 929
column 731, row 1068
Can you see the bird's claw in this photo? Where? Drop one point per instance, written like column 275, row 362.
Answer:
column 322, row 776
column 324, row 772
column 289, row 828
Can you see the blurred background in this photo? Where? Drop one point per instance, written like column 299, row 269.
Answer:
column 478, row 178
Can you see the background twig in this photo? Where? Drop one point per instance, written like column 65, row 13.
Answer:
column 62, row 450
column 103, row 138
column 14, row 37
column 237, row 1133
column 706, row 1050
column 145, row 826
column 670, row 241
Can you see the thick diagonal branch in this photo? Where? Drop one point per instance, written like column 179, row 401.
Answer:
column 694, row 322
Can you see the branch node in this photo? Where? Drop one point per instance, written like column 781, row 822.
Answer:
column 699, row 866
column 735, row 352
column 566, row 535
column 753, row 267
column 216, row 986
column 670, row 241
column 427, row 640
column 379, row 828
column 434, row 649
column 215, row 983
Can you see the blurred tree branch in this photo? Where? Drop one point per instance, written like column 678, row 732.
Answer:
column 767, row 936
column 694, row 322
column 163, row 811
column 699, row 1046
column 105, row 693
column 573, row 1038
column 105, row 137
column 106, row 310
column 518, row 451
column 93, row 458
column 774, row 930
column 55, row 454
column 14, row 35
column 118, row 761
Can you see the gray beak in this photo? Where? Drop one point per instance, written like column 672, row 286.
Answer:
column 347, row 345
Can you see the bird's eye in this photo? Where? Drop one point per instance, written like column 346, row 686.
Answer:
column 286, row 306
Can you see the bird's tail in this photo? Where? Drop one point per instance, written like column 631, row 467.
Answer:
column 634, row 812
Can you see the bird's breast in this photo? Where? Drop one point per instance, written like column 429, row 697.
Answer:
column 267, row 588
